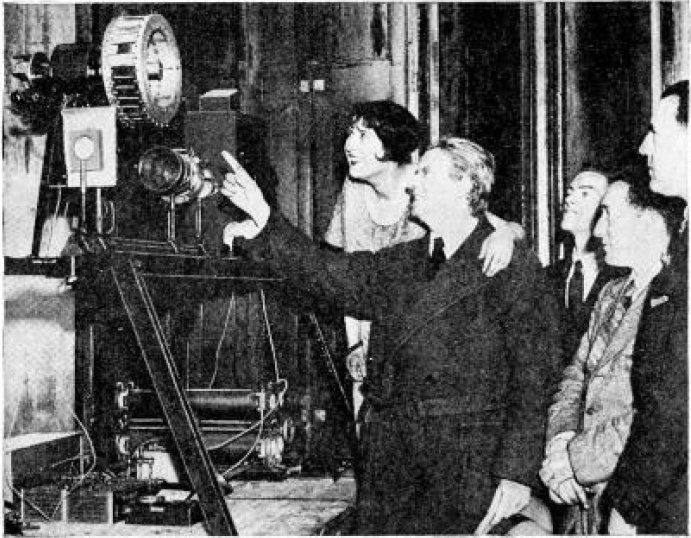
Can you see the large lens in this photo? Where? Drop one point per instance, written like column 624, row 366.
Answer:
column 163, row 171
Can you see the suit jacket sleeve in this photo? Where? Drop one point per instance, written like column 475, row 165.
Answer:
column 353, row 283
column 534, row 355
column 655, row 456
column 564, row 414
column 594, row 452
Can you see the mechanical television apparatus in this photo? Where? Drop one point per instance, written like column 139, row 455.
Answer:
column 178, row 375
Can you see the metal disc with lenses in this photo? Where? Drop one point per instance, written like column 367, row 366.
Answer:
column 141, row 69
column 167, row 171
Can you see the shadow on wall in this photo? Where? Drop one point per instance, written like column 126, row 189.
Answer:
column 38, row 355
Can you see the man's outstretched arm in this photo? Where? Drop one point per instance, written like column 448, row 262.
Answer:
column 348, row 282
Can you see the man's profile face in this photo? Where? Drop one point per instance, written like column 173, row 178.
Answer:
column 582, row 200
column 629, row 234
column 666, row 150
column 435, row 194
column 364, row 151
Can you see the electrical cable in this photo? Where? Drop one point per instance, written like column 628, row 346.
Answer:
column 274, row 355
column 81, row 479
column 268, row 332
column 88, row 472
column 73, row 458
column 231, row 305
column 244, row 432
column 249, row 452
column 145, row 442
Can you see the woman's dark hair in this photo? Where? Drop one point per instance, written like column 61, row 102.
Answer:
column 395, row 126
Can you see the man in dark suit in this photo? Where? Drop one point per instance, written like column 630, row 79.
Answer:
column 649, row 491
column 461, row 365
column 578, row 278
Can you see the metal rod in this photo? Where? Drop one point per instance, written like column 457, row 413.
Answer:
column 82, row 198
column 171, row 219
column 329, row 359
column 99, row 212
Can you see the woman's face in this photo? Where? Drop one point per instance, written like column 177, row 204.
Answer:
column 364, row 151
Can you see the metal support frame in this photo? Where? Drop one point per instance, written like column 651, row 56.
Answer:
column 132, row 288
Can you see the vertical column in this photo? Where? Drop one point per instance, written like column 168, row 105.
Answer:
column 397, row 44
column 433, row 62
column 576, row 129
column 250, row 83
column 560, row 102
column 541, row 199
column 412, row 50
column 682, row 42
column 655, row 52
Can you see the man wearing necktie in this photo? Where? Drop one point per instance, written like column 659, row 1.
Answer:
column 649, row 489
column 590, row 420
column 461, row 363
column 580, row 276
column 371, row 212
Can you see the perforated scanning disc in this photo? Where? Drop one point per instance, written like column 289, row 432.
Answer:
column 140, row 64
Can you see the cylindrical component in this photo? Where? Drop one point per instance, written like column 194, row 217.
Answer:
column 207, row 404
column 221, row 427
column 74, row 61
column 169, row 171
column 220, row 446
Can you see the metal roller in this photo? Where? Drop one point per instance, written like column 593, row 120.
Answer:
column 207, row 404
column 141, row 69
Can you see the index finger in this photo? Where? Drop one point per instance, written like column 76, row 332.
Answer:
column 231, row 161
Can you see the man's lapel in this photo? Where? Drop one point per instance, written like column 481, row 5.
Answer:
column 460, row 277
column 667, row 294
column 622, row 336
column 655, row 319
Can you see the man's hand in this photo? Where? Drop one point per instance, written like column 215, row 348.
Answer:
column 568, row 491
column 497, row 250
column 243, row 191
column 619, row 527
column 509, row 499
column 247, row 228
column 558, row 475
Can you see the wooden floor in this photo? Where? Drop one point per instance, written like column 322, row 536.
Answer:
column 294, row 507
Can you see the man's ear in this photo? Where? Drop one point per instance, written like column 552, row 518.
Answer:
column 655, row 227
